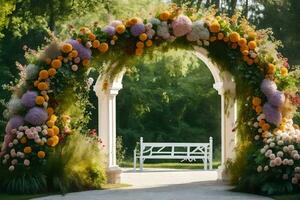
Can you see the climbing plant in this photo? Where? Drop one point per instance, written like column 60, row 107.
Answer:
column 52, row 92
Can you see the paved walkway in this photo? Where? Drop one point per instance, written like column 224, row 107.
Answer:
column 154, row 184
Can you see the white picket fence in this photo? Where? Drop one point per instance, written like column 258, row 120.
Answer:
column 182, row 151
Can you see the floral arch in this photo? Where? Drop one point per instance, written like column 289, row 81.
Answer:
column 267, row 156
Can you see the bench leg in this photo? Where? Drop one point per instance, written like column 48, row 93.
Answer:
column 134, row 160
column 205, row 164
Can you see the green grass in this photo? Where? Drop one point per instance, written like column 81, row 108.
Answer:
column 20, row 197
column 172, row 165
column 288, row 197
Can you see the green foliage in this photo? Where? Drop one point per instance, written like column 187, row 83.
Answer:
column 120, row 149
column 76, row 165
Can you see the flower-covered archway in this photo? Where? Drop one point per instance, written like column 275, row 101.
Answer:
column 42, row 119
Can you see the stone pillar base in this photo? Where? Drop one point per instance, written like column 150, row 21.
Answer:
column 222, row 174
column 114, row 175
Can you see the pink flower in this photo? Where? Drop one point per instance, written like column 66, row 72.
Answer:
column 26, row 162
column 182, row 25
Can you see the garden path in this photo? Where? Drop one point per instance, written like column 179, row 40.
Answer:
column 164, row 184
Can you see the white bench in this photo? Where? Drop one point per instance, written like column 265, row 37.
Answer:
column 183, row 151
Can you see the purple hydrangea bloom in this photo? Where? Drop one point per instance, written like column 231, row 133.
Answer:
column 137, row 29
column 268, row 87
column 14, row 123
column 83, row 52
column 182, row 25
column 110, row 30
column 36, row 116
column 277, row 99
column 115, row 23
column 28, row 99
column 273, row 115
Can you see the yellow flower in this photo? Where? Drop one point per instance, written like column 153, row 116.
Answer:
column 43, row 86
column 245, row 52
column 252, row 45
column 50, row 123
column 234, row 37
column 92, row 36
column 103, row 47
column 41, row 154
column 73, row 54
column 39, row 100
column 23, row 140
column 56, row 63
column 43, row 74
column 164, row 16
column 120, row 28
column 284, row 71
column 214, row 27
column 143, row 37
column 27, row 150
column 52, row 72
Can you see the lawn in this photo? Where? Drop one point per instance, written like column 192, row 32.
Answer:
column 172, row 165
column 288, row 197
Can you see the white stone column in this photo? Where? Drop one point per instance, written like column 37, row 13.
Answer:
column 107, row 124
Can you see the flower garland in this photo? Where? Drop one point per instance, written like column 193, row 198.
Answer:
column 33, row 126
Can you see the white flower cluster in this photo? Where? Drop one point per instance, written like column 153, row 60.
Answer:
column 280, row 150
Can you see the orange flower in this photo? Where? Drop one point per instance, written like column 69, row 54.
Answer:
column 139, row 51
column 245, row 52
column 250, row 61
column 234, row 37
column 149, row 43
column 266, row 127
column 60, row 57
column 39, row 100
column 52, row 72
column 212, row 38
column 214, row 27
column 96, row 43
column 135, row 20
column 252, row 45
column 56, row 130
column 258, row 109
column 50, row 142
column 50, row 111
column 271, row 68
column 103, row 47
column 242, row 48
column 143, row 37
column 43, row 74
column 140, row 45
column 41, row 154
column 220, row 36
column 92, row 36
column 284, row 71
column 120, row 28
column 51, row 132
column 164, row 16
column 242, row 42
column 27, row 150
column 226, row 39
column 261, row 122
column 43, row 86
column 66, row 48
column 73, row 54
column 86, row 62
column 56, row 63
column 256, row 101
column 252, row 35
